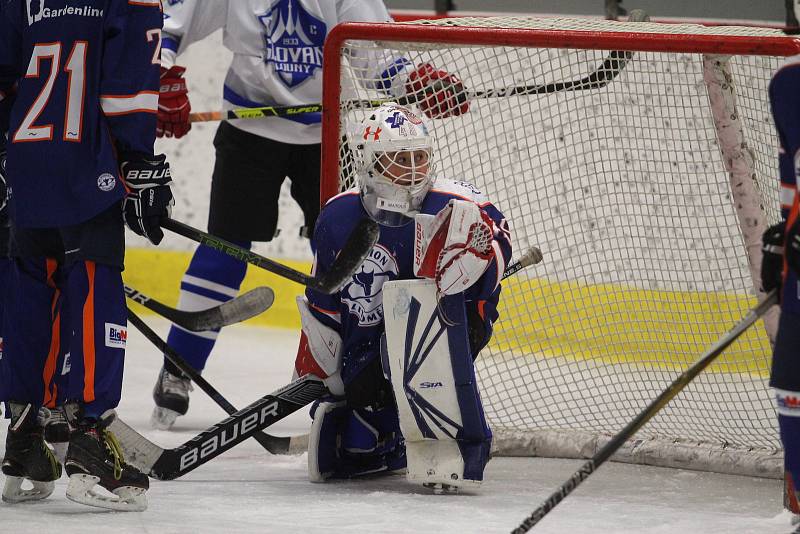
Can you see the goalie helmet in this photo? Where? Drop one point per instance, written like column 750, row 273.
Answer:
column 393, row 155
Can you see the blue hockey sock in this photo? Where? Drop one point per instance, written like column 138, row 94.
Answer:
column 213, row 277
column 789, row 424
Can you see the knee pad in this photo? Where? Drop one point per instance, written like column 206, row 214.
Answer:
column 348, row 443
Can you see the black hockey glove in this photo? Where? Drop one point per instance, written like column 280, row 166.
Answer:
column 150, row 199
column 793, row 247
column 772, row 257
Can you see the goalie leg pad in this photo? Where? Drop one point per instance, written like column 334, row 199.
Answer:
column 350, row 443
column 430, row 367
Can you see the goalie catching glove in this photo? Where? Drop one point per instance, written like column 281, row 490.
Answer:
column 453, row 247
column 150, row 198
column 438, row 93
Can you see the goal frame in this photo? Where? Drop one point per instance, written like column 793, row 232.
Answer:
column 716, row 49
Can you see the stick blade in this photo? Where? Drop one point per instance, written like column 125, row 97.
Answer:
column 355, row 250
column 248, row 305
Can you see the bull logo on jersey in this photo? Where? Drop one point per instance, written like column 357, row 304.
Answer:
column 363, row 294
column 293, row 38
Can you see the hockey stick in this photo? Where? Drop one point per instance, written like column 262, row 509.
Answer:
column 532, row 256
column 169, row 464
column 644, row 416
column 352, row 255
column 234, row 311
column 273, row 444
column 613, row 64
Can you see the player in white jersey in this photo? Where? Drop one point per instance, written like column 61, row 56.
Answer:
column 277, row 61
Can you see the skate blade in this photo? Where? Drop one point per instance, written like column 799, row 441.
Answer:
column 441, row 489
column 163, row 418
column 128, row 498
column 13, row 492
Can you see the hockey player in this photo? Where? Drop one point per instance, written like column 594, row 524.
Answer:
column 277, row 61
column 781, row 269
column 79, row 163
column 397, row 351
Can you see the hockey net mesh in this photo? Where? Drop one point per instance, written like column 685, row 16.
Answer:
column 626, row 191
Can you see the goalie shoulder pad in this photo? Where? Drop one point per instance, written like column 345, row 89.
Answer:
column 320, row 350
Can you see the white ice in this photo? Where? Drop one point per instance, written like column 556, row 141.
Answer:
column 249, row 490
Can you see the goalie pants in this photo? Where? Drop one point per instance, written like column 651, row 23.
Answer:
column 69, row 316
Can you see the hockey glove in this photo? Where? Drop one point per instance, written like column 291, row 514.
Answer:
column 454, row 247
column 772, row 257
column 438, row 93
column 793, row 247
column 173, row 104
column 150, row 198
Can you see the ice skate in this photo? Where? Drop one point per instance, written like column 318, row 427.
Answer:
column 56, row 430
column 27, row 458
column 94, row 458
column 171, row 395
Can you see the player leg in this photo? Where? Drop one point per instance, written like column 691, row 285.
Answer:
column 28, row 360
column 785, row 378
column 429, row 363
column 94, row 292
column 304, row 174
column 248, row 173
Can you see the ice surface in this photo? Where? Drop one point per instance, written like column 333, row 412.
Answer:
column 248, row 490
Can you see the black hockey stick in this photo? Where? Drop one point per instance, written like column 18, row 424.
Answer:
column 613, row 64
column 644, row 416
column 350, row 258
column 273, row 444
column 234, row 311
column 169, row 464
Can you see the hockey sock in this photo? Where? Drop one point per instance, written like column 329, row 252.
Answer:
column 212, row 278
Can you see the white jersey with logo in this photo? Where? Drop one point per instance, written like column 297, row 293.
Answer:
column 277, row 47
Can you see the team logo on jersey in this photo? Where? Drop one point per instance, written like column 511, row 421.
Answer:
column 116, row 336
column 363, row 294
column 106, row 182
column 293, row 39
column 37, row 11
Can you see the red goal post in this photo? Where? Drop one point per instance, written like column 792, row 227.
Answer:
column 647, row 194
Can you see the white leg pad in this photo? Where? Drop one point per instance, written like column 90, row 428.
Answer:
column 429, row 365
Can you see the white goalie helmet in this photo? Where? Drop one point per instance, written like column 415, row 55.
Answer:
column 393, row 152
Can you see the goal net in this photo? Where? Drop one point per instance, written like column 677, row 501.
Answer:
column 646, row 180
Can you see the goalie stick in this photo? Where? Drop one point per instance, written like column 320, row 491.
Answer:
column 613, row 64
column 169, row 464
column 532, row 256
column 352, row 255
column 645, row 415
column 273, row 444
column 234, row 311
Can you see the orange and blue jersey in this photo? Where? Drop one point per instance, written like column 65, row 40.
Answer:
column 356, row 311
column 783, row 91
column 83, row 93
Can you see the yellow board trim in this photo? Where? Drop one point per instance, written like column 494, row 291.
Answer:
column 158, row 273
column 604, row 323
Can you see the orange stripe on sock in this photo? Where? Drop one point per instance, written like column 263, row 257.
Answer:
column 88, row 336
column 50, row 390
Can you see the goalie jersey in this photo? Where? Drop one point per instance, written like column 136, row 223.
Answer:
column 356, row 311
column 784, row 91
column 277, row 54
column 87, row 87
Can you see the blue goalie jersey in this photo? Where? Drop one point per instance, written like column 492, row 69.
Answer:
column 87, row 77
column 356, row 311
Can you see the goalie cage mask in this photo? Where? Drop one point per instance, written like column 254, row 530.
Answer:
column 393, row 151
